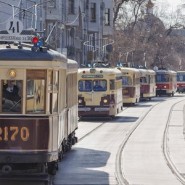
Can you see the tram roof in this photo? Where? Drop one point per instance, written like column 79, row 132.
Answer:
column 26, row 53
column 129, row 69
column 72, row 65
column 181, row 72
column 166, row 72
column 101, row 70
column 147, row 71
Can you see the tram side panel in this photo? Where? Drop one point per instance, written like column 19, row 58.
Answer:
column 72, row 101
column 147, row 84
column 130, row 85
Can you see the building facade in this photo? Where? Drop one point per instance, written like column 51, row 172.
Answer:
column 81, row 29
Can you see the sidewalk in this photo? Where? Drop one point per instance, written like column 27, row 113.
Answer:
column 176, row 140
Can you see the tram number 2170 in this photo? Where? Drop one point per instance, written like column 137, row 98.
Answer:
column 12, row 133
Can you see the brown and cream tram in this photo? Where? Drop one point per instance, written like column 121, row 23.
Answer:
column 38, row 110
column 166, row 82
column 99, row 92
column 147, row 84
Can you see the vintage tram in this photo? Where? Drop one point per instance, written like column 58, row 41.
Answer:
column 130, row 85
column 38, row 118
column 99, row 91
column 180, row 81
column 147, row 84
column 166, row 82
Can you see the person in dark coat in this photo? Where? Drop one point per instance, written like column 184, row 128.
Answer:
column 11, row 91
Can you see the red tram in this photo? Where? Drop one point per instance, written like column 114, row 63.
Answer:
column 39, row 119
column 180, row 81
column 166, row 82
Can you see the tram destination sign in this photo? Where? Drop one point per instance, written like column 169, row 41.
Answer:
column 14, row 38
column 14, row 28
column 92, row 76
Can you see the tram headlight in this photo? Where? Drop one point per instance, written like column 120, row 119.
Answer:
column 165, row 86
column 80, row 101
column 105, row 101
column 12, row 73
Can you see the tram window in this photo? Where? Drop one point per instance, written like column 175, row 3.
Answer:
column 126, row 80
column 55, row 102
column 55, row 81
column 50, row 80
column 99, row 85
column 11, row 96
column 35, row 91
column 143, row 80
column 158, row 78
column 85, row 85
column 162, row 78
column 112, row 84
column 180, row 78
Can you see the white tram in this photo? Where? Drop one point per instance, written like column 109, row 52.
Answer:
column 99, row 92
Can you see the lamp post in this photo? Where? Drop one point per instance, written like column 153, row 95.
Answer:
column 126, row 54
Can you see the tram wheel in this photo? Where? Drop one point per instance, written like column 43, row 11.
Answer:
column 60, row 155
column 52, row 168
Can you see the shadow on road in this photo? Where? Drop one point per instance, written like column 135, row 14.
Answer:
column 80, row 166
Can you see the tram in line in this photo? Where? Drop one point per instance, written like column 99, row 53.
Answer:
column 38, row 110
column 166, row 82
column 147, row 84
column 130, row 85
column 180, row 81
column 99, row 91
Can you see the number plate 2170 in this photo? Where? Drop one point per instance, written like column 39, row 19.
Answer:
column 12, row 133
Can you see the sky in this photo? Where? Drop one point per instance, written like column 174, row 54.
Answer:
column 167, row 10
column 172, row 3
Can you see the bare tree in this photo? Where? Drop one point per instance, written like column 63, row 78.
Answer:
column 119, row 4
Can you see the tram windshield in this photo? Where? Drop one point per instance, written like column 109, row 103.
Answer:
column 180, row 77
column 85, row 85
column 162, row 78
column 92, row 85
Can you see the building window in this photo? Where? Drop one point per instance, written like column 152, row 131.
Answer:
column 107, row 17
column 52, row 4
column 93, row 12
column 71, row 8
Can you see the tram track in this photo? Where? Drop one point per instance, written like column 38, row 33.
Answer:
column 165, row 147
column 96, row 128
column 121, row 179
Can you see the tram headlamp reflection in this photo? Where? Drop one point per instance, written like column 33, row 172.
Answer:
column 80, row 101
